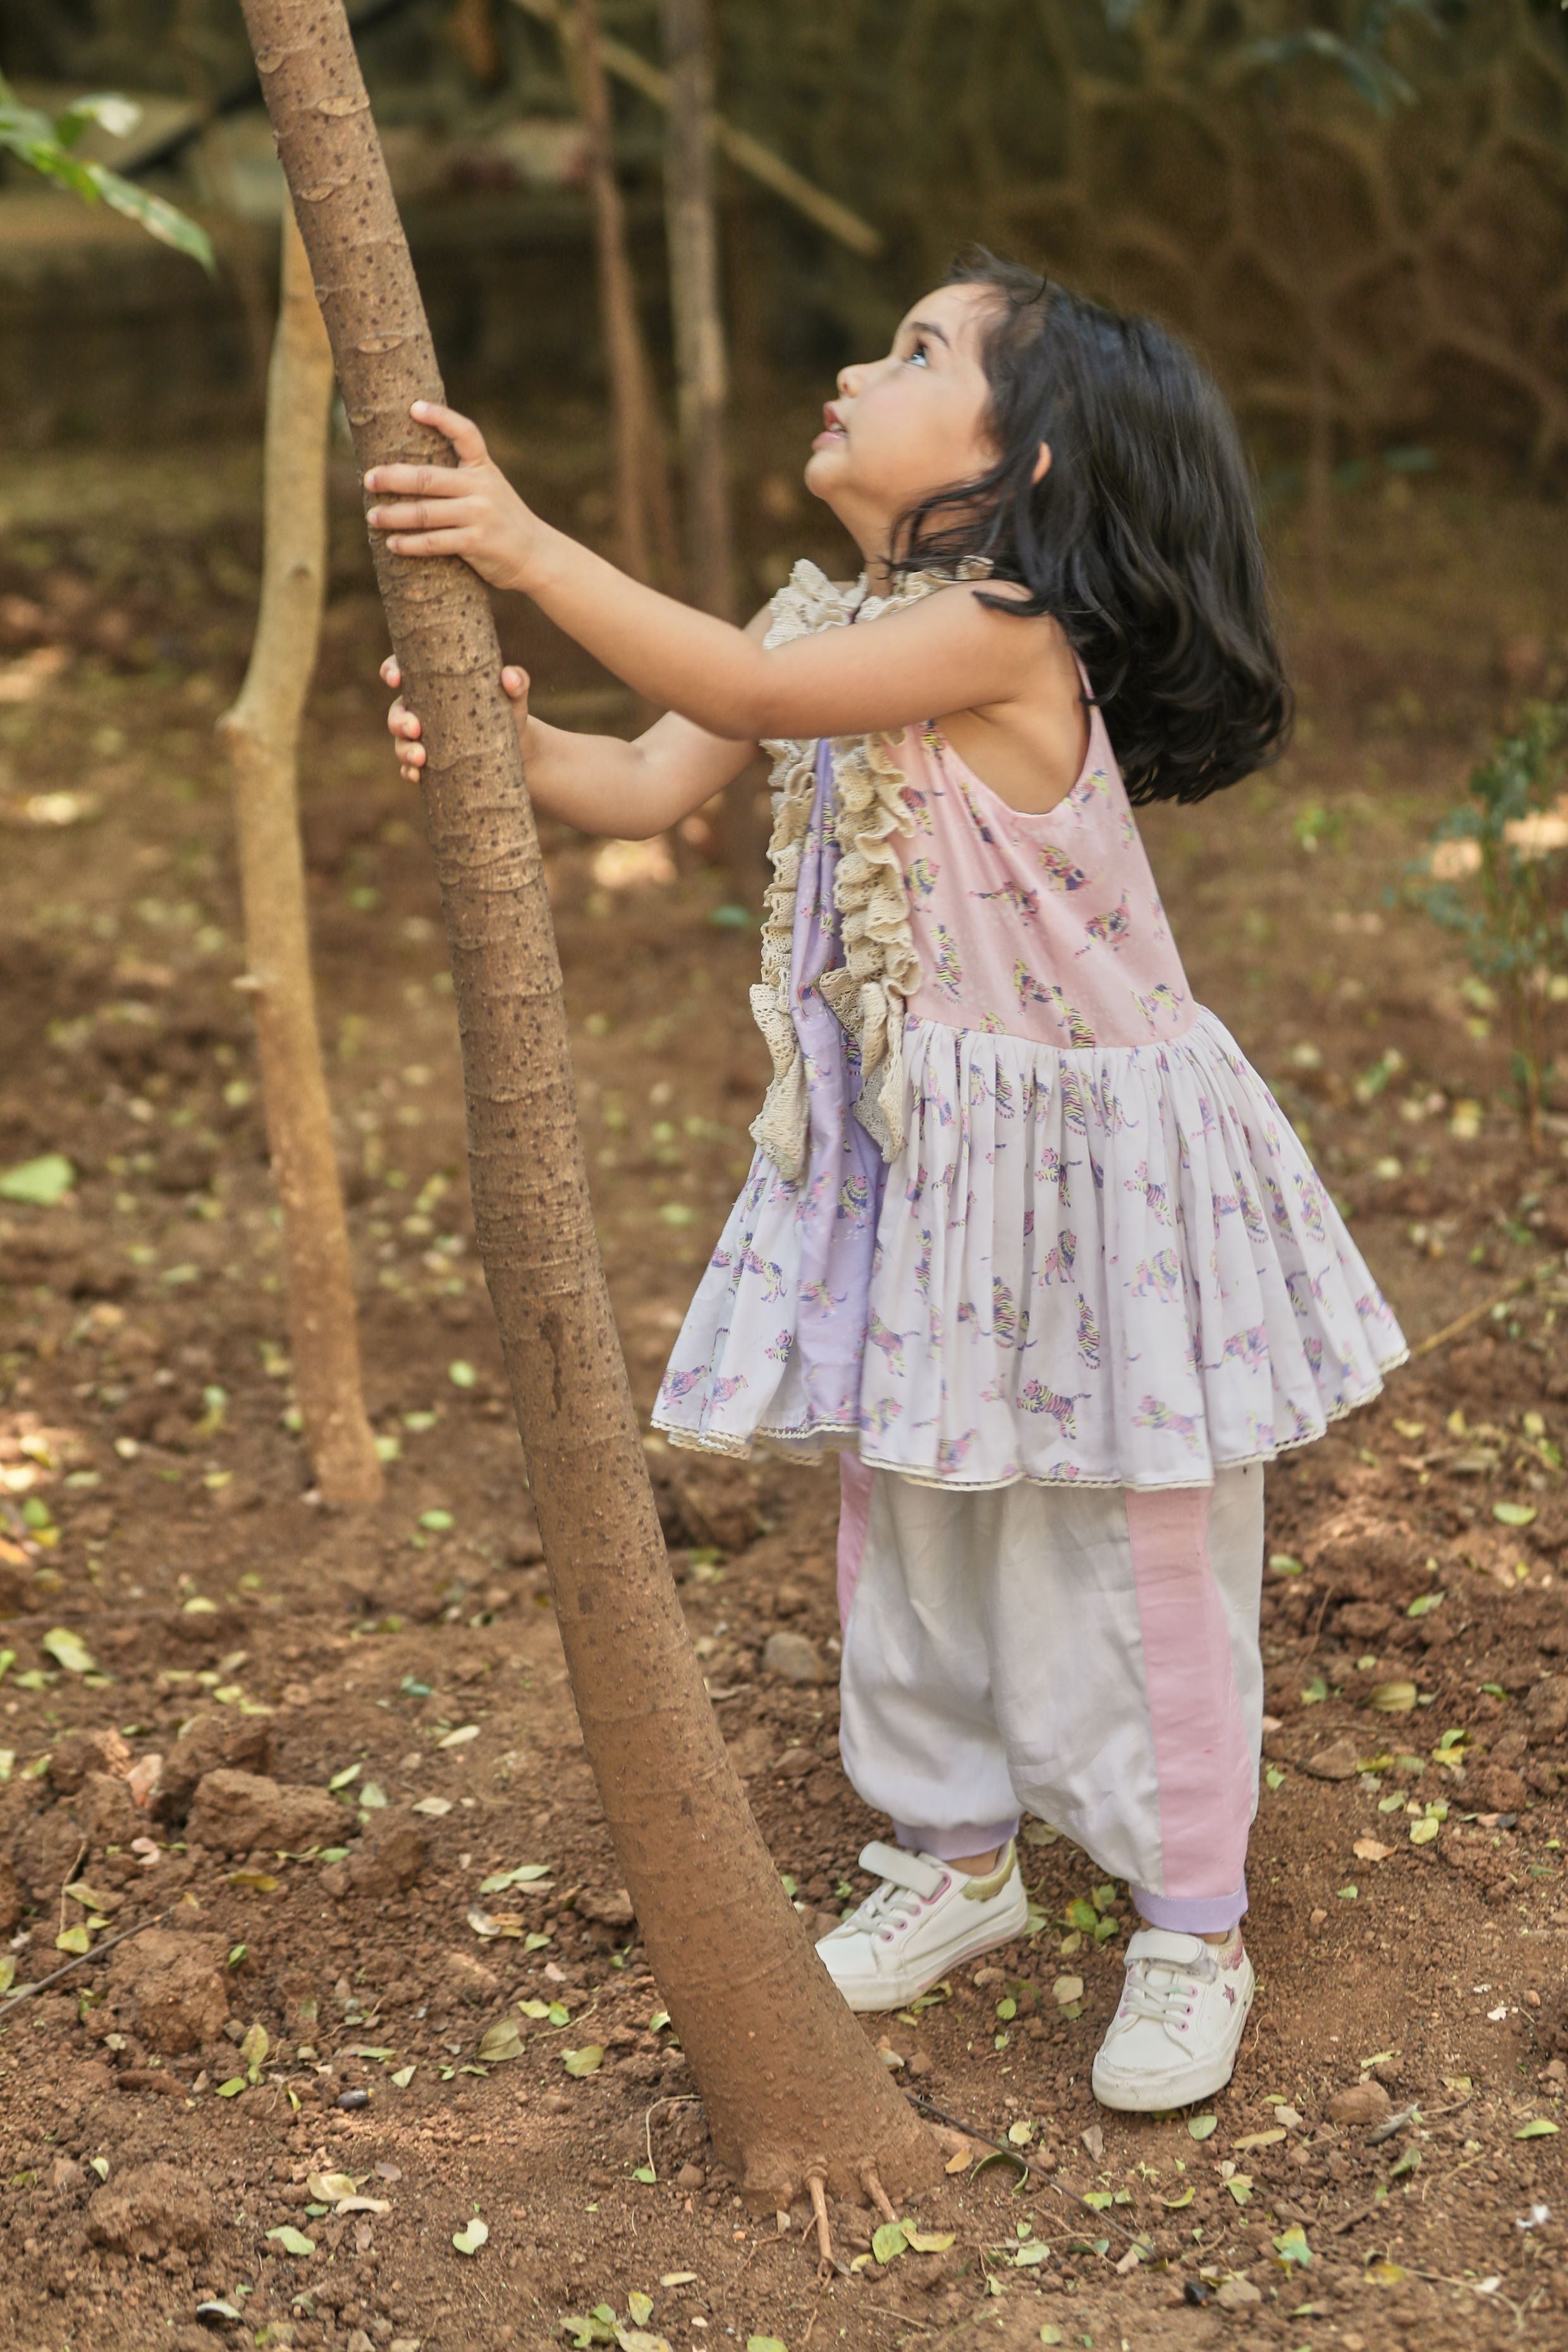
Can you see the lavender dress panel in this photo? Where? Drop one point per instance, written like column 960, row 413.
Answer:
column 774, row 1342
column 841, row 1196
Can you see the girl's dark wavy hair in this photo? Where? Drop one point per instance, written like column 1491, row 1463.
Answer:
column 1141, row 540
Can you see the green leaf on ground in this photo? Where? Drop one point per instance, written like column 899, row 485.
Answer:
column 471, row 2236
column 39, row 1182
column 586, row 2061
column 889, row 2241
column 1203, row 2126
column 292, row 2241
column 68, row 1649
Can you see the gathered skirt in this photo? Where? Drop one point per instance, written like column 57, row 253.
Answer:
column 1106, row 1266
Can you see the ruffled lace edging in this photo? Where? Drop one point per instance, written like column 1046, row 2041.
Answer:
column 1101, row 1268
column 867, row 992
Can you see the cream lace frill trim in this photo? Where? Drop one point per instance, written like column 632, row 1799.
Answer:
column 880, row 968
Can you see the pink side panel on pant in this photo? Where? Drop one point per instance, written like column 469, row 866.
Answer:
column 1200, row 1747
column 856, row 1480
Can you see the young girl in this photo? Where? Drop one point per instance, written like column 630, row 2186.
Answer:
column 1026, row 1240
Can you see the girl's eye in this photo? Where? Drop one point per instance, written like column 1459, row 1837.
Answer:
column 921, row 354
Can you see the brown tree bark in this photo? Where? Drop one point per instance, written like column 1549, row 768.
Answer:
column 262, row 733
column 791, row 2085
column 700, row 360
column 645, row 510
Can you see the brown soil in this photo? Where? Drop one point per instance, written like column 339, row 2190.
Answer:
column 244, row 1634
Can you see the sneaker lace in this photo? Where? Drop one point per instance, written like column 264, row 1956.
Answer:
column 1162, row 1990
column 891, row 1905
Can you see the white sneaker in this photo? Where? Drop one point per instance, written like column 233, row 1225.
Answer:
column 923, row 1919
column 1176, row 2034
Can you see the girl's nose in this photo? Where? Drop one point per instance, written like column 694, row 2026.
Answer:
column 846, row 379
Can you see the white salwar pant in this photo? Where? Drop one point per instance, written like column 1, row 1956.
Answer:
column 1088, row 1655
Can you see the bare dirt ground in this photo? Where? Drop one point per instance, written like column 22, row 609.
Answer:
column 391, row 1690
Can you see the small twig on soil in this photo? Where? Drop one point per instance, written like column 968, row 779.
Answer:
column 905, row 2318
column 672, row 2099
column 779, row 2237
column 1311, row 1642
column 81, row 1962
column 1006, row 2147
column 1473, row 1315
column 876, row 2193
column 823, row 2226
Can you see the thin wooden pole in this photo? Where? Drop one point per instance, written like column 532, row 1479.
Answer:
column 262, row 733
column 645, row 510
column 702, row 361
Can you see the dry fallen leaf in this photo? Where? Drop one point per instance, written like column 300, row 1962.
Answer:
column 500, row 2042
column 490, row 1924
column 327, row 2187
column 1367, row 1849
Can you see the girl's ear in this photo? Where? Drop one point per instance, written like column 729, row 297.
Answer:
column 1042, row 463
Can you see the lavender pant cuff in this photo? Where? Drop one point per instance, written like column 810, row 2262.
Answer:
column 1190, row 1915
column 947, row 1846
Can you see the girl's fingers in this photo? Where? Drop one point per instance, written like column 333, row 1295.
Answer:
column 389, row 674
column 514, row 681
column 418, row 515
column 428, row 542
column 461, row 431
column 419, row 482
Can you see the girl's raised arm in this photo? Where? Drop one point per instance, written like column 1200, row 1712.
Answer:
column 601, row 783
column 948, row 653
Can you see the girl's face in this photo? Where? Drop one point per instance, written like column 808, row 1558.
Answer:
column 909, row 423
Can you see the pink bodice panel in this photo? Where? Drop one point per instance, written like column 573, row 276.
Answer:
column 1047, row 928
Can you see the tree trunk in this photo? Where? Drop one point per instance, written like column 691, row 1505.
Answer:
column 792, row 2084
column 262, row 733
column 699, row 356
column 702, row 367
column 646, row 516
